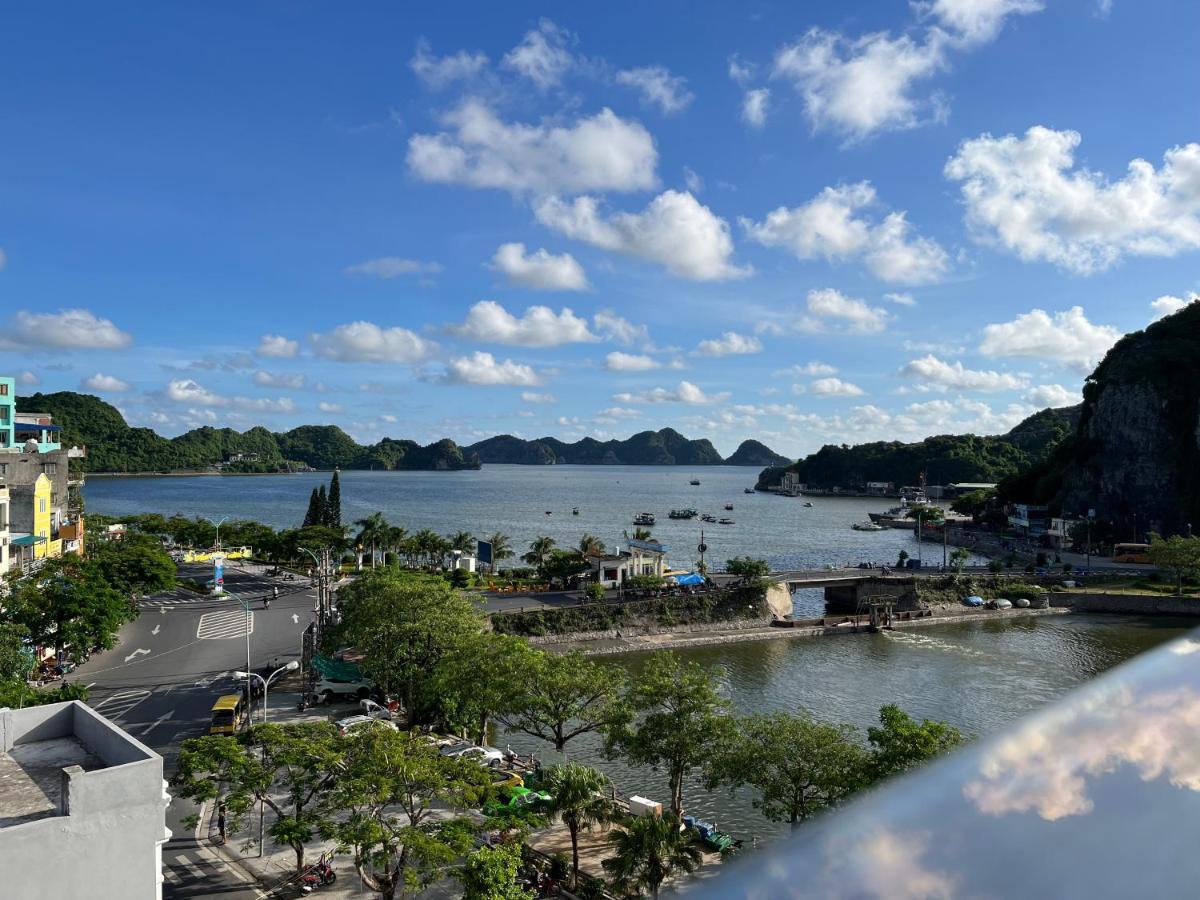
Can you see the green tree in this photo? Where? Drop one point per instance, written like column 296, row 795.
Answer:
column 647, row 851
column 373, row 532
column 681, row 723
column 480, row 679
column 540, row 551
column 16, row 656
column 797, row 765
column 315, row 515
column 927, row 512
column 501, row 548
column 580, row 802
column 67, row 603
column 290, row 768
column 746, row 568
column 1178, row 554
column 975, row 503
column 404, row 625
column 490, row 873
column 557, row 698
column 590, row 545
column 563, row 566
column 333, row 507
column 958, row 558
column 136, row 564
column 385, row 797
column 899, row 742
column 463, row 542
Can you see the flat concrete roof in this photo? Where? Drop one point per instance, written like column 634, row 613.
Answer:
column 31, row 777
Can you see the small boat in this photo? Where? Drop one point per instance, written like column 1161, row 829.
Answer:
column 549, row 512
column 729, row 506
column 867, row 526
column 688, row 513
column 747, row 490
column 726, row 522
column 574, row 510
column 808, row 504
column 973, row 600
column 1000, row 603
column 644, row 518
column 694, row 481
column 714, row 840
column 708, row 518
column 1021, row 603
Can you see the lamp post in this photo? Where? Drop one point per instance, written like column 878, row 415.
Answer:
column 245, row 604
column 920, row 538
column 291, row 666
column 218, row 524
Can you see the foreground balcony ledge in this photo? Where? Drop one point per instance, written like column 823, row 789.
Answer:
column 1096, row 796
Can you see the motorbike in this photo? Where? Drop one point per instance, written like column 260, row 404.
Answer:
column 306, row 702
column 317, row 875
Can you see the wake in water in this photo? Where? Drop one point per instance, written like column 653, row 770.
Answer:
column 934, row 643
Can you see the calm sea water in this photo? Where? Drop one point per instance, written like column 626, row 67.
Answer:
column 527, row 501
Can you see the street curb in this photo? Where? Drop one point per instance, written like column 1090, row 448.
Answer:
column 221, row 854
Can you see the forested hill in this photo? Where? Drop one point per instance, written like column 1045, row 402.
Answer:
column 665, row 447
column 113, row 446
column 945, row 459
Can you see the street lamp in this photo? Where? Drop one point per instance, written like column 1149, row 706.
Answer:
column 218, row 524
column 266, row 682
column 245, row 604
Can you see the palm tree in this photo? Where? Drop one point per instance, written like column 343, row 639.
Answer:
column 590, row 545
column 462, row 541
column 579, row 802
column 648, row 851
column 426, row 543
column 372, row 531
column 641, row 534
column 394, row 540
column 501, row 548
column 540, row 551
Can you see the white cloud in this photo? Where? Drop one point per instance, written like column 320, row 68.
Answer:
column 617, row 328
column 729, row 344
column 1023, row 194
column 977, row 21
column 675, row 230
column 542, row 55
column 901, row 299
column 658, row 87
column 754, row 106
column 813, row 368
column 106, row 383
column 601, row 153
column 188, row 392
column 1168, row 305
column 330, row 407
column 1067, row 338
column 441, row 71
column 3, row 258
column 741, row 72
column 277, row 346
column 832, row 227
column 540, row 270
column 28, row 379
column 67, row 329
column 1053, row 395
column 835, row 387
column 393, row 267
column 629, row 362
column 620, row 412
column 830, row 304
column 534, row 397
column 686, row 392
column 367, row 342
column 483, row 368
column 539, row 326
column 290, row 380
column 692, row 180
column 932, row 370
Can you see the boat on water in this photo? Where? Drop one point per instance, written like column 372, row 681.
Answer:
column 717, row 841
column 808, row 504
column 574, row 510
column 726, row 522
column 694, row 481
column 688, row 513
column 729, row 506
column 708, row 517
column 867, row 526
column 747, row 490
column 643, row 519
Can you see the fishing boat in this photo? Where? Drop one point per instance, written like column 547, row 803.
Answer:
column 694, row 481
column 643, row 518
column 747, row 490
column 574, row 510
column 688, row 513
column 717, row 841
column 808, row 504
column 867, row 526
column 726, row 522
column 729, row 506
column 708, row 517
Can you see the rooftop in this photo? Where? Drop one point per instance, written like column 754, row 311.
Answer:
column 31, row 778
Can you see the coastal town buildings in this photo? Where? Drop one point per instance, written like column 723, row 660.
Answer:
column 82, row 806
column 639, row 558
column 4, row 531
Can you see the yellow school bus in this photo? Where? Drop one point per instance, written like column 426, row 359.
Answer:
column 227, row 714
column 1131, row 553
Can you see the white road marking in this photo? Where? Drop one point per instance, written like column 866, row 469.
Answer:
column 194, row 870
column 156, row 629
column 295, row 619
column 231, row 623
column 90, row 686
column 150, row 726
column 212, row 679
column 137, row 653
column 119, row 704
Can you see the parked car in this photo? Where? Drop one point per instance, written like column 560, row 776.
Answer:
column 355, row 723
column 487, row 756
column 502, row 778
column 327, row 689
column 375, row 710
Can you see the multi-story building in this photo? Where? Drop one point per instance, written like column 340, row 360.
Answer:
column 82, row 806
column 8, row 412
column 4, row 530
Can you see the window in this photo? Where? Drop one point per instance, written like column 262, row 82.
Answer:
column 3, row 412
column 41, row 504
column 50, row 468
column 3, row 390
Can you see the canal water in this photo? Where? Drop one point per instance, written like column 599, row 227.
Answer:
column 978, row 676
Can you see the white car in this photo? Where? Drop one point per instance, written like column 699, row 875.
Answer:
column 355, row 723
column 375, row 710
column 327, row 689
column 485, row 756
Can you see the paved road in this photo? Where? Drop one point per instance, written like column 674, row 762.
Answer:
column 159, row 684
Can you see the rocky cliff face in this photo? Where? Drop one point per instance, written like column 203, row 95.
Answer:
column 1135, row 458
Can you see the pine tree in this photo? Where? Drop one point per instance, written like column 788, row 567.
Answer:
column 333, row 507
column 313, row 516
column 322, row 506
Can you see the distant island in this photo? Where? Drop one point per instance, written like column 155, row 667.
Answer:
column 115, row 447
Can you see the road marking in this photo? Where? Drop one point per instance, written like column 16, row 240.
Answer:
column 90, row 686
column 156, row 628
column 232, row 623
column 152, row 725
column 121, row 703
column 212, row 679
column 137, row 653
column 295, row 619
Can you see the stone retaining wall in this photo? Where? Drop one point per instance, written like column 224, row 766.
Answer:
column 1130, row 604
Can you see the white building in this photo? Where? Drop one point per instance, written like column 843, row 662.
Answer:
column 82, row 807
column 641, row 558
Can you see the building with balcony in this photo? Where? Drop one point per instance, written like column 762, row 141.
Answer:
column 82, row 806
column 5, row 535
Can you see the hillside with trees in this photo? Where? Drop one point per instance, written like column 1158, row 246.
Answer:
column 665, row 447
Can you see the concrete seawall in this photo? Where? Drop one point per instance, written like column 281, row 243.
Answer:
column 1128, row 604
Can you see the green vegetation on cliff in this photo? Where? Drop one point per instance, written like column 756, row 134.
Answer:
column 755, row 453
column 945, row 458
column 665, row 447
column 115, row 447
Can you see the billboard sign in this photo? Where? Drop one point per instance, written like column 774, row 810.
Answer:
column 483, row 552
column 218, row 574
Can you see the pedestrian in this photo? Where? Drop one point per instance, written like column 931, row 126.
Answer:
column 221, row 822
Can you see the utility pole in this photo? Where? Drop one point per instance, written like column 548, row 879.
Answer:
column 920, row 561
column 945, row 540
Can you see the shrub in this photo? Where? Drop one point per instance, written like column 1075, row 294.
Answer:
column 594, row 591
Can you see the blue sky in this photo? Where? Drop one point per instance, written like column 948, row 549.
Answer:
column 801, row 222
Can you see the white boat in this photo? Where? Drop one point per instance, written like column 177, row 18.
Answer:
column 1021, row 603
column 808, row 504
column 867, row 526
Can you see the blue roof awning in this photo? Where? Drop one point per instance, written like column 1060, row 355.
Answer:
column 27, row 540
column 30, row 426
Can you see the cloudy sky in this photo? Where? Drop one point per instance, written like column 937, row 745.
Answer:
column 801, row 222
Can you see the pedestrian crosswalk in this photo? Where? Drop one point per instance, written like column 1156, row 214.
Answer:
column 229, row 623
column 115, row 707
